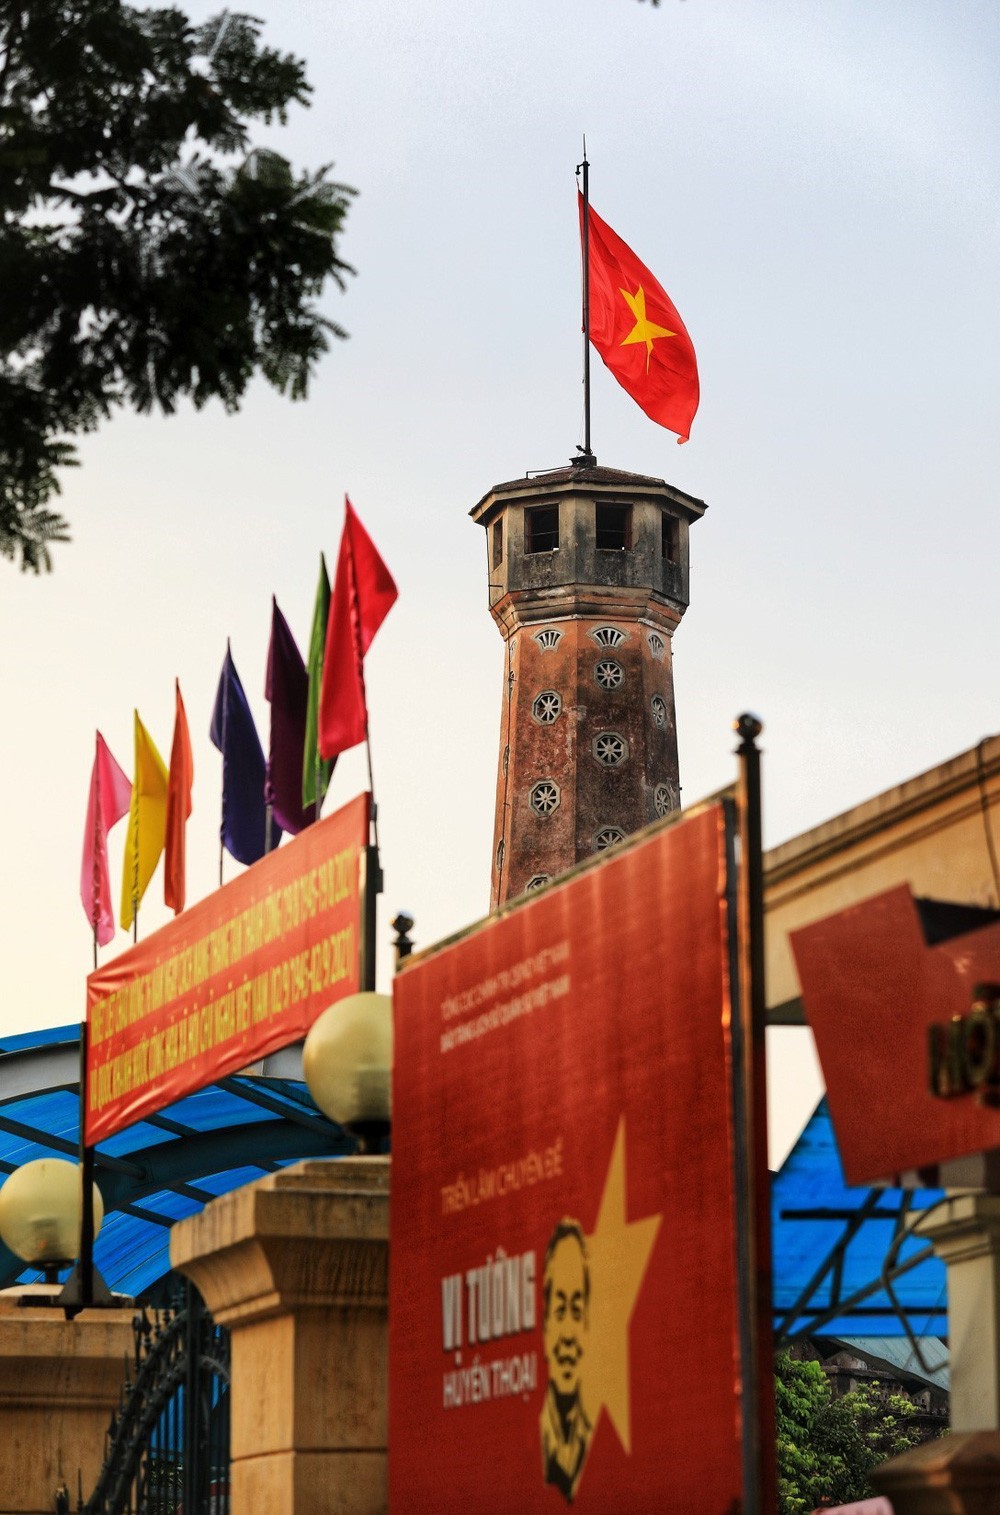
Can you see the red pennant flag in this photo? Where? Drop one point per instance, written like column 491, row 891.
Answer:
column 363, row 594
column 635, row 327
column 179, row 784
column 110, row 796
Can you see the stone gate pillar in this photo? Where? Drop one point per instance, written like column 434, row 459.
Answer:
column 296, row 1265
column 59, row 1382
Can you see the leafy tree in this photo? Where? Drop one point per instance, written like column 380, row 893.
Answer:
column 828, row 1446
column 146, row 252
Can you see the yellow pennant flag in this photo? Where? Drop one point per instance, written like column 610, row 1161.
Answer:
column 147, row 822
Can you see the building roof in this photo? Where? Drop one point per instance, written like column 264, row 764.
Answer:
column 830, row 1242
column 896, row 1354
column 162, row 1168
column 573, row 476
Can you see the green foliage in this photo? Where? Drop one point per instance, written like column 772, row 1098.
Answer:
column 146, row 252
column 827, row 1447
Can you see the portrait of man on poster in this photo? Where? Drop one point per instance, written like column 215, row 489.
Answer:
column 564, row 1427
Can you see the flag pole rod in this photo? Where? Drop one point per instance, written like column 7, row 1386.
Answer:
column 135, row 882
column 225, row 708
column 586, row 458
column 371, row 785
column 86, row 1178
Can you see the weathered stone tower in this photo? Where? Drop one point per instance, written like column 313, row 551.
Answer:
column 588, row 575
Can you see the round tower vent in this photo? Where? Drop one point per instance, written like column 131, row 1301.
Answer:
column 609, row 673
column 658, row 705
column 656, row 644
column 608, row 836
column 547, row 707
column 665, row 798
column 610, row 749
column 544, row 797
column 536, row 882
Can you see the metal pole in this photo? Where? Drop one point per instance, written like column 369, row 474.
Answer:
column 587, row 459
column 86, row 1179
column 372, row 888
column 752, row 1198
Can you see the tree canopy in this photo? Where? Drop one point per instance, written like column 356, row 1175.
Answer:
column 147, row 252
column 827, row 1446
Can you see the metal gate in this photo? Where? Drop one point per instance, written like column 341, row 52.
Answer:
column 167, row 1447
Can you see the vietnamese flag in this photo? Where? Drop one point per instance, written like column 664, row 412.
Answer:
column 179, row 782
column 110, row 797
column 363, row 594
column 635, row 327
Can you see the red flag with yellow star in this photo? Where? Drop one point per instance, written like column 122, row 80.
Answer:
column 635, row 327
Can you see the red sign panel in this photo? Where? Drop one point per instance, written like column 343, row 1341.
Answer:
column 872, row 988
column 239, row 975
column 563, row 1319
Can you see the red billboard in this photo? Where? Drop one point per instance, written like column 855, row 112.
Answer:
column 563, row 1292
column 873, row 988
column 237, row 976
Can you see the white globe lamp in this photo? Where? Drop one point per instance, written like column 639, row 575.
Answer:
column 347, row 1061
column 40, row 1205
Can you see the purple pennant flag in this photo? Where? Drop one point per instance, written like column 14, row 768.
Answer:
column 233, row 732
column 287, row 689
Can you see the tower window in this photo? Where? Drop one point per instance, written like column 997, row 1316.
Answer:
column 670, row 537
column 541, row 528
column 544, row 797
column 656, row 644
column 498, row 542
column 609, row 673
column 608, row 636
column 610, row 749
column 548, row 638
column 608, row 836
column 613, row 528
column 665, row 799
column 547, row 707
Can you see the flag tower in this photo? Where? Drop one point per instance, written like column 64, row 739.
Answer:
column 588, row 581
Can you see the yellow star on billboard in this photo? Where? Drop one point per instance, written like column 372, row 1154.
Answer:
column 619, row 1251
column 644, row 329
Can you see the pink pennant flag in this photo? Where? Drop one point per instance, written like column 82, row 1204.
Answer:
column 110, row 796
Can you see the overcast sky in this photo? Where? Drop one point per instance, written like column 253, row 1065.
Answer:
column 814, row 182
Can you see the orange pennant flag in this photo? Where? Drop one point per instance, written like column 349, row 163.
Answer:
column 179, row 784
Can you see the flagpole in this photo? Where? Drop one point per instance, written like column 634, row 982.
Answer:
column 86, row 1260
column 135, row 868
column 225, row 711
column 95, row 872
column 586, row 458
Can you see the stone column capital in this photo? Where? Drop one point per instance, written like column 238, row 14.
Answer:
column 313, row 1234
column 965, row 1227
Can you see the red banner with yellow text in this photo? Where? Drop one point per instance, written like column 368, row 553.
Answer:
column 237, row 976
column 563, row 1293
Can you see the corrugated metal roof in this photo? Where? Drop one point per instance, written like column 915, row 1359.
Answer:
column 159, row 1169
column 897, row 1354
column 830, row 1241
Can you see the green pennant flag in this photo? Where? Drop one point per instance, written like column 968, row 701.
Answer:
column 312, row 765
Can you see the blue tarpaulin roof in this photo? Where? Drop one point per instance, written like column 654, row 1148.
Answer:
column 169, row 1166
column 163, row 1168
column 830, row 1241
